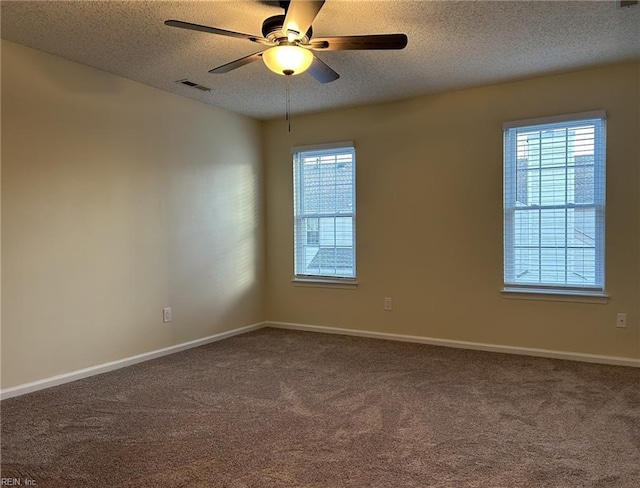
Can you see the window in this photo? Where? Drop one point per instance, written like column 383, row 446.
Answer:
column 324, row 211
column 554, row 204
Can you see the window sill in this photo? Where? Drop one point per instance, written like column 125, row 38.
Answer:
column 555, row 296
column 347, row 284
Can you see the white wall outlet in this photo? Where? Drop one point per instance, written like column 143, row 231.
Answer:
column 388, row 304
column 166, row 314
column 621, row 320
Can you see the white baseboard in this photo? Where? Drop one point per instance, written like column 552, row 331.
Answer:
column 120, row 363
column 523, row 351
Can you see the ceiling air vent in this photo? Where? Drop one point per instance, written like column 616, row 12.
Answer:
column 627, row 3
column 193, row 85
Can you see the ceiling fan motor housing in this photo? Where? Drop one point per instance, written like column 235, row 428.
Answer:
column 272, row 29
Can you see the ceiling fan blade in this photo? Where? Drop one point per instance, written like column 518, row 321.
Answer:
column 344, row 43
column 300, row 15
column 238, row 63
column 321, row 71
column 215, row 30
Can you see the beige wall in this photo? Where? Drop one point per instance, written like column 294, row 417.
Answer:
column 118, row 200
column 429, row 210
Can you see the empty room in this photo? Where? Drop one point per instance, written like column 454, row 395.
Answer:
column 315, row 244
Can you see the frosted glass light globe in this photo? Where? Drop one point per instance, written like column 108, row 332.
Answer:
column 287, row 60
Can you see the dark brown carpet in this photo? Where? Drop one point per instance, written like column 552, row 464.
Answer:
column 277, row 408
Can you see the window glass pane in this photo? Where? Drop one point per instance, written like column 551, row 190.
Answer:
column 527, row 265
column 344, row 231
column 552, row 265
column 527, row 228
column 581, row 266
column 312, row 227
column 553, row 186
column 552, row 228
column 583, row 180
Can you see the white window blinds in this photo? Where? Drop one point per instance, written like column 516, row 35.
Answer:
column 324, row 211
column 554, row 204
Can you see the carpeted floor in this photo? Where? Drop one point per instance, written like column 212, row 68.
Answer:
column 277, row 408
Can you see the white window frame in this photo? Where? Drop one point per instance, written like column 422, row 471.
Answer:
column 299, row 215
column 511, row 284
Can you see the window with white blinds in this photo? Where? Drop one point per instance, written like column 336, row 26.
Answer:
column 324, row 211
column 554, row 204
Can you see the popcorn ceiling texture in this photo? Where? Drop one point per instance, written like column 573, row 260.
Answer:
column 289, row 409
column 452, row 45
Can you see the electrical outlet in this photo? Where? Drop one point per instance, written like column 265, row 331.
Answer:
column 388, row 304
column 621, row 320
column 166, row 314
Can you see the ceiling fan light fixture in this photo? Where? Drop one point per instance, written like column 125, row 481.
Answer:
column 287, row 60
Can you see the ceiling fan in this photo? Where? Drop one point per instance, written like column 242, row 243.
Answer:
column 288, row 42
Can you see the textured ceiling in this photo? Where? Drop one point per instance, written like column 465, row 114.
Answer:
column 452, row 45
